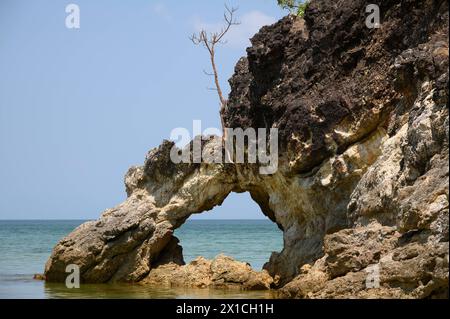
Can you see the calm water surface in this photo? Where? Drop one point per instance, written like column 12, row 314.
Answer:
column 26, row 245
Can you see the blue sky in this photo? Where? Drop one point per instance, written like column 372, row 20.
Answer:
column 79, row 106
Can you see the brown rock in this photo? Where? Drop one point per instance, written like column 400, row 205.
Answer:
column 38, row 277
column 222, row 272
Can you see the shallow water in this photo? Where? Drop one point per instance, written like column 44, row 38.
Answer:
column 26, row 245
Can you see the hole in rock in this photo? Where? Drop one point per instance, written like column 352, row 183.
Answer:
column 237, row 229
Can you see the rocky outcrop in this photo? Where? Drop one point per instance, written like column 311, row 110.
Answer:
column 361, row 191
column 220, row 273
column 374, row 261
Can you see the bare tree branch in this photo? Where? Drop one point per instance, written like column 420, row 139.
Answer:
column 210, row 41
column 208, row 73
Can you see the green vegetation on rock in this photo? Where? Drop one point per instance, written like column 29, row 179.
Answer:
column 297, row 7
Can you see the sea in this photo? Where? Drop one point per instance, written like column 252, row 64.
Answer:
column 25, row 246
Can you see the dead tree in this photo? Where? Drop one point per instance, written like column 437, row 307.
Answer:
column 209, row 41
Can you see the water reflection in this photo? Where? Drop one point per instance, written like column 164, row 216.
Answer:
column 53, row 290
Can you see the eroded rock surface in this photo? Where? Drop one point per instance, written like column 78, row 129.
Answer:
column 361, row 192
column 221, row 273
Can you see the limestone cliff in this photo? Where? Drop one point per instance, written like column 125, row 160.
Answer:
column 362, row 184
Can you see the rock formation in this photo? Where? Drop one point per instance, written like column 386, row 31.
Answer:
column 222, row 272
column 361, row 192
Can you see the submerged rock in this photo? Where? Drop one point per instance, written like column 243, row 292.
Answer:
column 38, row 277
column 361, row 191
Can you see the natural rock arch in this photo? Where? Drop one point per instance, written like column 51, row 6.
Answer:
column 126, row 242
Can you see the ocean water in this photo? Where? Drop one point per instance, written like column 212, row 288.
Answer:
column 26, row 245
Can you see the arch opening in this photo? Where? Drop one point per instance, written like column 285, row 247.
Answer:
column 237, row 228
